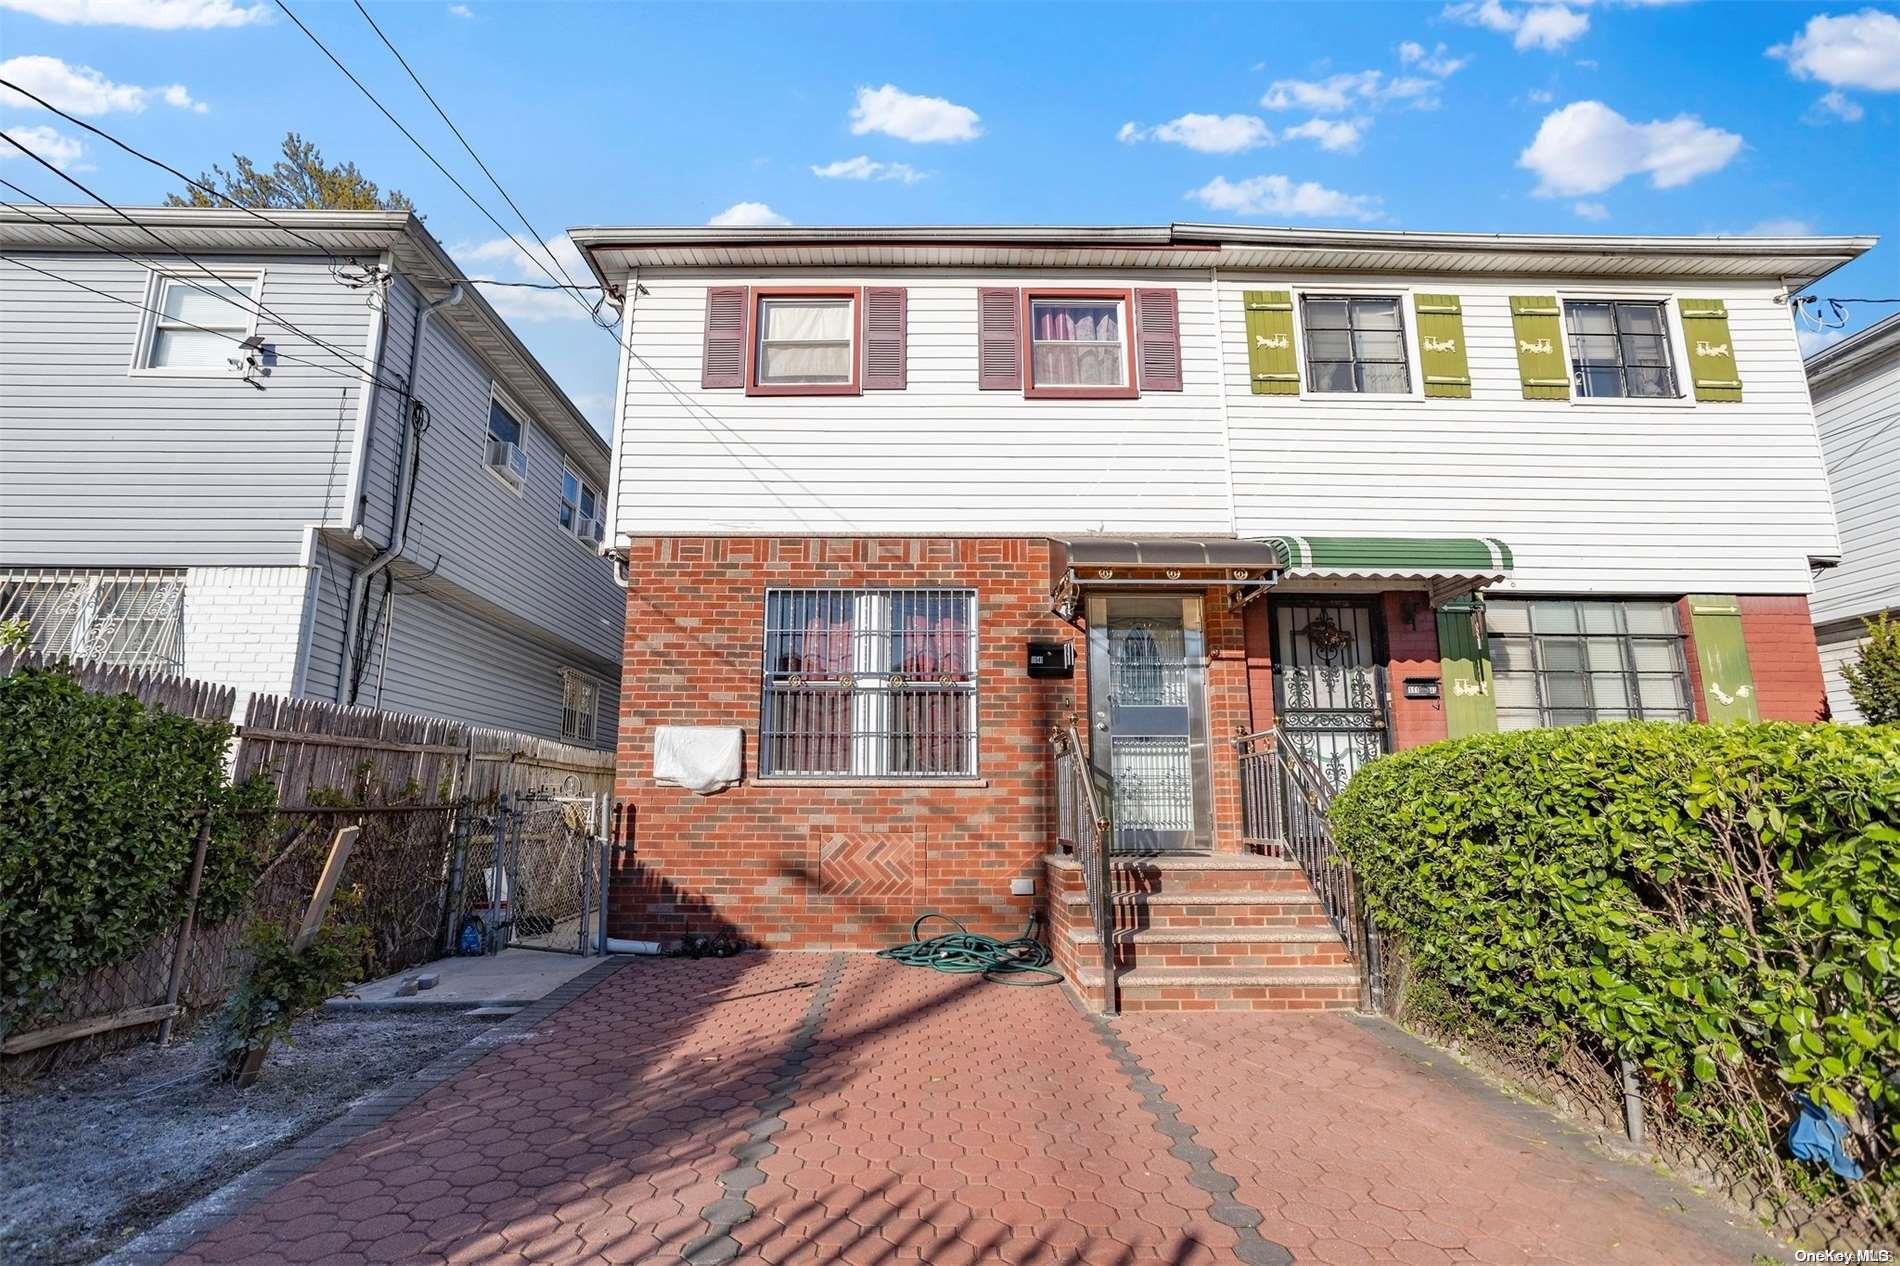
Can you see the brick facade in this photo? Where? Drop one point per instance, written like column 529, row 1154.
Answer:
column 1784, row 657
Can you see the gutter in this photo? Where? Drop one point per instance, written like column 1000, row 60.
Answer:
column 399, row 515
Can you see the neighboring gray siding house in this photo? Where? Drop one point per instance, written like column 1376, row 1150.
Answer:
column 1856, row 389
column 204, row 422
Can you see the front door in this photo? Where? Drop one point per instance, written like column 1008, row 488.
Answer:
column 1148, row 707
column 1329, row 681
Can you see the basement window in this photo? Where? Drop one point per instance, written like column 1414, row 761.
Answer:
column 1570, row 661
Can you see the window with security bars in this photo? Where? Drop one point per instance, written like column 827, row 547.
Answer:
column 1354, row 343
column 128, row 618
column 1574, row 661
column 1620, row 350
column 869, row 683
column 578, row 706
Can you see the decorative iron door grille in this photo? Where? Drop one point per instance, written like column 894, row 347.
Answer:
column 1329, row 682
column 1149, row 712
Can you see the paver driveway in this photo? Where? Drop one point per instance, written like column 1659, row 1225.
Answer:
column 817, row 1108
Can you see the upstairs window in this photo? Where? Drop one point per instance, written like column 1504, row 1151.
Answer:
column 1619, row 350
column 507, row 447
column 580, row 508
column 579, row 701
column 1079, row 344
column 805, row 343
column 198, row 323
column 1355, row 344
column 1574, row 661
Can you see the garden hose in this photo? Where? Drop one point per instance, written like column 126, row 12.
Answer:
column 1021, row 960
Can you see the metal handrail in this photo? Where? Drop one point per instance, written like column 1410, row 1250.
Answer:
column 1282, row 787
column 1088, row 840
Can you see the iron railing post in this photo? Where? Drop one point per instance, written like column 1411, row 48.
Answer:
column 497, row 871
column 458, row 863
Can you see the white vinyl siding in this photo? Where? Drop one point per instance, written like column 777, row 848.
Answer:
column 1859, row 418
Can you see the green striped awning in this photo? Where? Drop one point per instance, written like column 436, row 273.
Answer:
column 1449, row 564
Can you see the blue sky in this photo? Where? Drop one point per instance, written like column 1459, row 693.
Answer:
column 1622, row 116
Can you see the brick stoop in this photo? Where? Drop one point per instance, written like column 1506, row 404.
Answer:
column 1223, row 932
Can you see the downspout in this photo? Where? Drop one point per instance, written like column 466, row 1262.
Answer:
column 399, row 513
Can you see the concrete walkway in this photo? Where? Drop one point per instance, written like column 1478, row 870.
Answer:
column 839, row 1109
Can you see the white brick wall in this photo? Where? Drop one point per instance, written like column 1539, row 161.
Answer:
column 244, row 626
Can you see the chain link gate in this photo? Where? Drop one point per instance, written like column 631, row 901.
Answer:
column 528, row 875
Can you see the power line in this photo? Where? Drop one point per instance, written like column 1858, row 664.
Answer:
column 258, row 307
column 336, row 261
column 223, row 334
column 539, row 239
column 530, row 285
column 424, row 149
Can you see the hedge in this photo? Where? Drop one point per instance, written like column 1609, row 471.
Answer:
column 1719, row 904
column 98, row 803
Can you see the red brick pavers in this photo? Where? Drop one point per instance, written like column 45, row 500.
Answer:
column 940, row 1119
column 1359, row 1144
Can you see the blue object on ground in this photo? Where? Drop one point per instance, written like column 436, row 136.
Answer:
column 1818, row 1135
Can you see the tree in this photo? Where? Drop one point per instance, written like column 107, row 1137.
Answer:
column 1874, row 679
column 299, row 181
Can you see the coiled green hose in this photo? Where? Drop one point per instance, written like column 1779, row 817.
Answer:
column 1021, row 960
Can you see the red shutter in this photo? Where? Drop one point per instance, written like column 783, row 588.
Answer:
column 1158, row 339
column 885, row 310
column 724, row 365
column 999, row 349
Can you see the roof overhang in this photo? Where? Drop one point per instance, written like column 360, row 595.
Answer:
column 1447, row 567
column 359, row 236
column 614, row 253
column 1158, row 562
column 1859, row 352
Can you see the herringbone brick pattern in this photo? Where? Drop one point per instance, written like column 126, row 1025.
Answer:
column 866, row 864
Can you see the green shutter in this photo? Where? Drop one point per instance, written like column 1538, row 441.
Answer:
column 1537, row 326
column 1271, row 363
column 1711, row 351
column 1441, row 347
column 1464, row 663
column 1721, row 653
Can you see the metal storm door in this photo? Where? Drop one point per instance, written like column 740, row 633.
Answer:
column 1147, row 704
column 1329, row 682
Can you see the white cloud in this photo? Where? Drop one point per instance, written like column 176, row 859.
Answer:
column 1338, row 135
column 747, row 215
column 83, row 90
column 1586, row 147
column 515, row 259
column 1204, row 133
column 864, row 167
column 1545, row 26
column 1329, row 95
column 909, row 117
column 1278, row 195
column 1594, row 211
column 461, row 11
column 62, row 151
column 1786, row 226
column 155, row 15
column 1813, row 341
column 1435, row 61
column 1856, row 50
column 1541, row 96
column 1840, row 105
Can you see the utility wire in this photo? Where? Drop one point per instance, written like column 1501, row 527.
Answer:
column 257, row 306
column 336, row 261
column 539, row 238
column 424, row 149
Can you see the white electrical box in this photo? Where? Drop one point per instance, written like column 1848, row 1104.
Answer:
column 1022, row 887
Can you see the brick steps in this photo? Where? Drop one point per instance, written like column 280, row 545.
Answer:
column 1222, row 932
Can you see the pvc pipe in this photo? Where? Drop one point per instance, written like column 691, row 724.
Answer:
column 617, row 946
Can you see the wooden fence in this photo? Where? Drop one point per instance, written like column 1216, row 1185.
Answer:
column 200, row 700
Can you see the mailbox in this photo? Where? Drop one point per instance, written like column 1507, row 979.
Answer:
column 1051, row 659
column 1421, row 687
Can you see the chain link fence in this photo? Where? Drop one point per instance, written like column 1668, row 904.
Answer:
column 529, row 875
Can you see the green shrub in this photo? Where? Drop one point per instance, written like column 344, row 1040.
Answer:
column 1873, row 679
column 98, row 796
column 280, row 984
column 1720, row 904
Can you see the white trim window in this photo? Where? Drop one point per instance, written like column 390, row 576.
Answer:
column 580, row 704
column 869, row 683
column 580, row 508
column 197, row 324
column 507, row 445
column 806, row 340
column 1619, row 349
column 1572, row 661
column 1356, row 344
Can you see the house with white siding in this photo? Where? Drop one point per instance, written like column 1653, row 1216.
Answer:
column 1856, row 388
column 896, row 505
column 302, row 455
